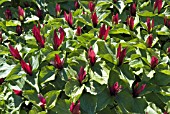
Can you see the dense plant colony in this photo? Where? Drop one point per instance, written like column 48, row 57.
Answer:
column 88, row 57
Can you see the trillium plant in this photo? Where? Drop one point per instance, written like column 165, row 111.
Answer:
column 85, row 57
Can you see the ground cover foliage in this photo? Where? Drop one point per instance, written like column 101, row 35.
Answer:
column 88, row 57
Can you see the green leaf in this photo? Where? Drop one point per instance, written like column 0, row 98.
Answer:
column 146, row 14
column 88, row 103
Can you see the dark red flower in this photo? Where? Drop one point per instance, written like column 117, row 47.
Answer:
column 21, row 13
column 39, row 13
column 94, row 19
column 91, row 6
column 75, row 108
column 18, row 30
column 168, row 50
column 115, row 1
column 158, row 4
column 26, row 67
column 115, row 18
column 42, row 101
column 103, row 32
column 57, row 62
column 149, row 25
column 78, row 32
column 2, row 80
column 58, row 41
column 115, row 89
column 130, row 22
column 92, row 56
column 57, row 9
column 120, row 54
column 154, row 62
column 136, row 90
column 149, row 41
column 26, row 4
column 38, row 37
column 1, row 39
column 17, row 92
column 81, row 75
column 133, row 9
column 76, row 4
column 8, row 14
column 68, row 18
column 167, row 22
column 14, row 52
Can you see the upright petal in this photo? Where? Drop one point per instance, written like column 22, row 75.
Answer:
column 115, row 18
column 21, row 13
column 75, row 108
column 106, row 33
column 118, row 51
column 14, row 52
column 70, row 19
column 76, row 4
column 78, row 31
column 148, row 24
column 56, row 41
column 131, row 26
column 81, row 75
column 8, row 14
column 94, row 19
column 149, row 41
column 2, row 80
column 39, row 13
column 133, row 9
column 168, row 50
column 122, row 56
column 91, row 6
column 26, row 67
column 42, row 101
column 57, row 9
column 62, row 34
column 158, row 4
column 18, row 30
column 58, row 62
column 115, row 89
column 92, row 56
column 102, row 31
column 154, row 62
column 1, row 39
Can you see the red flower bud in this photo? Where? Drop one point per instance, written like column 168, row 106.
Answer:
column 8, row 14
column 158, row 4
column 115, row 1
column 56, row 40
column 42, row 101
column 121, row 54
column 149, row 41
column 130, row 22
column 115, row 18
column 1, row 39
column 76, row 4
column 149, row 25
column 168, row 50
column 2, row 80
column 57, row 9
column 133, row 9
column 137, row 90
column 92, row 56
column 38, row 37
column 17, row 92
column 78, row 32
column 39, row 13
column 115, row 89
column 14, row 52
column 26, row 67
column 167, row 22
column 57, row 62
column 154, row 62
column 94, row 19
column 103, row 32
column 81, row 75
column 18, row 30
column 91, row 6
column 75, row 108
column 68, row 18
column 21, row 13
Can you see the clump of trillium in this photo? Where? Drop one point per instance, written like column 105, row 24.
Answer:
column 120, row 54
column 75, row 108
column 40, row 40
column 149, row 25
column 154, row 62
column 92, row 56
column 136, row 90
column 69, row 18
column 21, row 13
column 158, row 5
column 103, row 33
column 42, row 101
column 56, row 40
column 81, row 75
column 115, row 88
